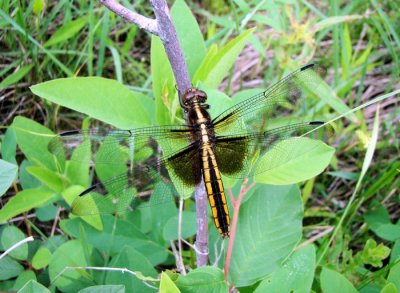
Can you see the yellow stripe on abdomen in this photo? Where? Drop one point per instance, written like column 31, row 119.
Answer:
column 215, row 192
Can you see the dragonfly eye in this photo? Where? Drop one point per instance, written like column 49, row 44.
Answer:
column 193, row 95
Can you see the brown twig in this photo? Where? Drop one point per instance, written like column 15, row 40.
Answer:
column 145, row 23
column 164, row 28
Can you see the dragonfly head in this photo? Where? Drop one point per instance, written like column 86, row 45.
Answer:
column 193, row 96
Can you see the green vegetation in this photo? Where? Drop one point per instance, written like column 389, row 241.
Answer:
column 335, row 232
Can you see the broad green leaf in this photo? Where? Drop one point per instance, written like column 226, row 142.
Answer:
column 24, row 278
column 41, row 258
column 379, row 222
column 394, row 275
column 269, row 227
column 78, row 167
column 70, row 254
column 10, row 236
column 294, row 160
column 70, row 194
column 46, row 213
column 33, row 287
column 395, row 253
column 104, row 289
column 33, row 139
column 8, row 172
column 16, row 76
column 67, row 31
column 9, row 146
column 213, row 71
column 24, row 201
column 189, row 34
column 203, row 279
column 219, row 101
column 134, row 261
column 26, row 180
column 389, row 288
column 9, row 268
column 333, row 282
column 104, row 99
column 188, row 226
column 163, row 81
column 115, row 235
column 295, row 275
column 167, row 285
column 50, row 178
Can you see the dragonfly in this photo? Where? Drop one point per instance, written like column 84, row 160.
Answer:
column 170, row 160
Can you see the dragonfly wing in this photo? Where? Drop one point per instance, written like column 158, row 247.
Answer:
column 124, row 171
column 258, row 112
column 150, row 183
column 75, row 144
column 237, row 155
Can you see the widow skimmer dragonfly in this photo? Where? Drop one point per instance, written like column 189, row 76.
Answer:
column 180, row 156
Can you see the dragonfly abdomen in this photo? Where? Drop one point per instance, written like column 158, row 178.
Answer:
column 215, row 191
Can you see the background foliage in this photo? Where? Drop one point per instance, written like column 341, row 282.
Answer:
column 357, row 197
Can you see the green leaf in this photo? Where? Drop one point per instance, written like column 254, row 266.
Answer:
column 70, row 194
column 335, row 20
column 394, row 275
column 69, row 254
column 389, row 288
column 134, row 261
column 67, row 31
column 38, row 6
column 104, row 289
column 379, row 221
column 295, row 275
column 24, row 278
column 203, row 279
column 78, row 167
column 329, row 97
column 9, row 237
column 8, row 172
column 9, row 146
column 163, row 81
column 33, row 138
column 115, row 235
column 395, row 254
column 46, row 213
column 33, row 287
column 272, row 219
column 16, row 76
column 24, row 201
column 189, row 34
column 9, row 268
column 188, row 226
column 51, row 179
column 333, row 282
column 41, row 258
column 167, row 285
column 294, row 160
column 213, row 71
column 26, row 180
column 104, row 99
column 373, row 254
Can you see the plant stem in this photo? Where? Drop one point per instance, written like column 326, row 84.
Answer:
column 163, row 27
